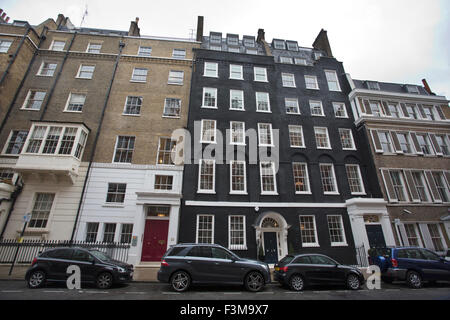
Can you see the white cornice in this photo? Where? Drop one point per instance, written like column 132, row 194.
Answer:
column 396, row 95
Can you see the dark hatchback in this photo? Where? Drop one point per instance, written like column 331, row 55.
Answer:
column 299, row 271
column 411, row 264
column 95, row 266
column 186, row 264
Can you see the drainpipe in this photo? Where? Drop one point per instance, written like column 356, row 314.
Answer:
column 91, row 158
column 44, row 109
column 14, row 197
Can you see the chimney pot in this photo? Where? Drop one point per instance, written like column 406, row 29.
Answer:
column 426, row 86
column 261, row 35
column 199, row 28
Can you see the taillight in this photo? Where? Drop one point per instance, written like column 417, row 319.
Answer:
column 164, row 263
column 284, row 269
column 34, row 262
column 394, row 263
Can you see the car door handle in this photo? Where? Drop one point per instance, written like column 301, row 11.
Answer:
column 217, row 263
column 189, row 261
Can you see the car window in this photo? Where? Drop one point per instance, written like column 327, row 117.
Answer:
column 203, row 252
column 175, row 251
column 321, row 260
column 409, row 254
column 219, row 253
column 80, row 255
column 65, row 254
column 286, row 260
column 428, row 255
column 303, row 260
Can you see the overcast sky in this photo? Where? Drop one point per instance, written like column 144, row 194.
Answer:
column 400, row 41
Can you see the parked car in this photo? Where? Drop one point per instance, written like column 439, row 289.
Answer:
column 186, row 264
column 299, row 271
column 411, row 264
column 95, row 266
column 447, row 255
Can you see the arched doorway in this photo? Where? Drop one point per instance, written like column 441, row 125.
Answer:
column 271, row 236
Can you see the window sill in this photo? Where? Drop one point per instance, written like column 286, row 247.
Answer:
column 269, row 193
column 303, row 192
column 175, row 83
column 113, row 205
column 331, row 193
column 205, row 192
column 312, row 245
column 238, row 193
column 236, row 78
column 25, row 109
column 231, row 109
column 207, row 107
column 72, row 111
column 131, row 115
column 339, row 245
column 263, row 111
column 171, row 117
column 83, row 78
column 138, row 81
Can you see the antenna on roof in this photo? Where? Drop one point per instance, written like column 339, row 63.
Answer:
column 191, row 34
column 85, row 13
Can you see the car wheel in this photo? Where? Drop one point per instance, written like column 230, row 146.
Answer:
column 36, row 279
column 414, row 280
column 296, row 283
column 180, row 281
column 353, row 282
column 104, row 280
column 254, row 281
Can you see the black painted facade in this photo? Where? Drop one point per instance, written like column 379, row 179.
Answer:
column 287, row 204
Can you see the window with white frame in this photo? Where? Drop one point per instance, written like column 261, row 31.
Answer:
column 232, row 40
column 215, row 38
column 394, row 109
column 311, row 82
column 441, row 141
column 91, row 231
column 262, row 102
column 206, row 176
column 300, row 61
column 291, row 106
column 332, row 80
column 398, row 183
column 268, row 178
column 36, row 138
column 16, row 142
column 133, row 105
column 435, row 234
column 248, row 42
column 328, row 178
column 42, row 207
column 354, row 179
column 208, row 131
column 296, row 137
column 411, row 111
column 237, row 235
column 279, row 44
column 375, row 108
column 288, row 80
column 441, row 186
column 317, row 55
column 216, row 47
column 205, row 229
column 265, row 134
column 411, row 234
column 81, row 144
column 373, row 85
column 322, row 138
column 75, row 102
column 109, row 232
column 4, row 45
column 428, row 112
column 251, row 51
column 339, row 110
column 211, row 69
column 126, row 233
column 386, row 141
column 67, row 141
column 179, row 53
column 316, row 108
column 234, row 49
column 176, row 77
column 404, row 140
column 346, row 139
column 94, row 47
column 52, row 139
column 209, row 98
column 172, row 108
column 292, row 45
column 47, row 69
column 308, row 231
column 237, row 132
column 236, row 100
column 286, row 60
column 424, row 143
column 260, row 74
column 165, row 149
column 116, row 193
column 336, row 230
column 163, row 182
column 57, row 45
column 420, row 185
column 236, row 72
column 139, row 75
column 412, row 89
column 85, row 71
column 34, row 100
column 123, row 152
column 145, row 51
column 301, row 177
column 238, row 183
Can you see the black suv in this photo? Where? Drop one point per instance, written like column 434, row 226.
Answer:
column 186, row 264
column 95, row 266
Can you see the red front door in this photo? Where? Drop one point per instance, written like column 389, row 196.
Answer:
column 155, row 240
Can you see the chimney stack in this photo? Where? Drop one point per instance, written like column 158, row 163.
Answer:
column 134, row 29
column 261, row 35
column 322, row 43
column 199, row 29
column 427, row 87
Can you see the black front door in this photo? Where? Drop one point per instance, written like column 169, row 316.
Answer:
column 270, row 247
column 375, row 236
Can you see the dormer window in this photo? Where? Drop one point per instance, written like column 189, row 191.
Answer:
column 412, row 89
column 232, row 40
column 215, row 38
column 249, row 41
column 292, row 45
column 317, row 55
column 372, row 85
column 279, row 44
